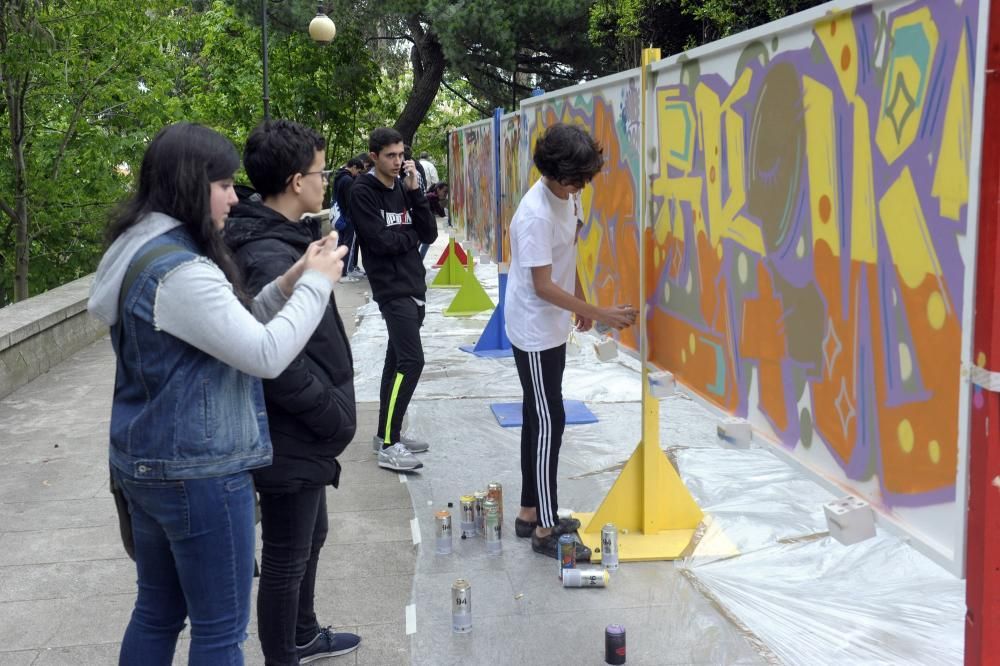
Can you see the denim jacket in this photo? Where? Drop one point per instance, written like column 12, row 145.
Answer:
column 178, row 413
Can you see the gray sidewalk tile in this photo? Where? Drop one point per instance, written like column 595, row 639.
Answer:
column 67, row 580
column 340, row 560
column 57, row 514
column 369, row 526
column 384, row 644
column 64, row 622
column 63, row 545
column 362, row 600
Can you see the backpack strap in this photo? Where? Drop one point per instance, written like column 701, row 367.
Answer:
column 140, row 264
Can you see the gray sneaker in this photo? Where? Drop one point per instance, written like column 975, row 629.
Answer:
column 398, row 458
column 412, row 445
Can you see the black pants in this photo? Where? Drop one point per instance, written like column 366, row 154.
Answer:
column 294, row 527
column 404, row 361
column 544, row 417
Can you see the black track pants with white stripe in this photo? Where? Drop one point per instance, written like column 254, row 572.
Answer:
column 541, row 375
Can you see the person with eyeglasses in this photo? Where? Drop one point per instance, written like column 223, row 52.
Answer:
column 392, row 218
column 310, row 406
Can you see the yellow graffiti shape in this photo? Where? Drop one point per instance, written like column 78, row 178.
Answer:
column 677, row 144
column 913, row 43
column 821, row 137
column 906, row 230
column 840, row 43
column 864, row 236
column 673, row 123
column 725, row 220
column 951, row 178
column 587, row 251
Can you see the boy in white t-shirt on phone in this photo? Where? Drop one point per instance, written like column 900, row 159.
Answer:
column 543, row 290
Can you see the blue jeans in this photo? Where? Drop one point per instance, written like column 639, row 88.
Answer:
column 194, row 548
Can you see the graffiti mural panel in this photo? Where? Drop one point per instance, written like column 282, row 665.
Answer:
column 812, row 247
column 511, row 183
column 473, row 185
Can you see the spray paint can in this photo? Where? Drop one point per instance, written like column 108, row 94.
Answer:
column 589, row 577
column 480, row 497
column 494, row 491
column 491, row 523
column 468, row 516
column 614, row 644
column 442, row 528
column 461, row 607
column 609, row 547
column 567, row 553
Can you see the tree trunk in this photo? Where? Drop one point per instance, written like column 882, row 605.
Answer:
column 428, row 72
column 14, row 94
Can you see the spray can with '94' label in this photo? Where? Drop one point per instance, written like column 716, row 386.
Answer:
column 442, row 528
column 609, row 547
column 468, row 503
column 461, row 606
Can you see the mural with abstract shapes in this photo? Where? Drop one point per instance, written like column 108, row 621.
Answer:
column 511, row 187
column 812, row 253
column 456, row 181
column 608, row 249
column 474, row 187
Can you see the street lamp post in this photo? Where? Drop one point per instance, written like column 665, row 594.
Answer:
column 321, row 29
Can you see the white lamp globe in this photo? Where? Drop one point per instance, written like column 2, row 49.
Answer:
column 322, row 29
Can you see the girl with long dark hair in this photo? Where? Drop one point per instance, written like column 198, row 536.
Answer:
column 188, row 420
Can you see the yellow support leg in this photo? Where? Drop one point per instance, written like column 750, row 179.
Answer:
column 655, row 514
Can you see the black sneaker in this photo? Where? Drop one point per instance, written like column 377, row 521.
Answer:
column 525, row 528
column 549, row 546
column 566, row 526
column 327, row 644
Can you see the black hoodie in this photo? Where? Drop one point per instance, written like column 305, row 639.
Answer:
column 310, row 406
column 392, row 225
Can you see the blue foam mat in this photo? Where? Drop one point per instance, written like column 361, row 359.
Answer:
column 508, row 414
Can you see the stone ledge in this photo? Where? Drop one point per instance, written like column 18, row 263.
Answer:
column 44, row 330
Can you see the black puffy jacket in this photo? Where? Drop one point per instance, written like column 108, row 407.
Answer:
column 311, row 409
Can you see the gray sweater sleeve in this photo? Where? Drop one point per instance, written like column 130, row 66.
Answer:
column 196, row 304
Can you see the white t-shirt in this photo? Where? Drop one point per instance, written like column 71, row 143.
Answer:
column 542, row 233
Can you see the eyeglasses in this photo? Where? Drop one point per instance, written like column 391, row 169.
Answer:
column 324, row 174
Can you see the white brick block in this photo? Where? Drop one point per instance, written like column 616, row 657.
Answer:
column 662, row 384
column 606, row 350
column 850, row 519
column 735, row 431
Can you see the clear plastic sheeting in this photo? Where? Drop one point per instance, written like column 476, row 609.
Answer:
column 763, row 583
column 452, row 373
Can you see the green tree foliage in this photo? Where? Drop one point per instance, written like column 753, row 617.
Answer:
column 623, row 27
column 87, row 83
